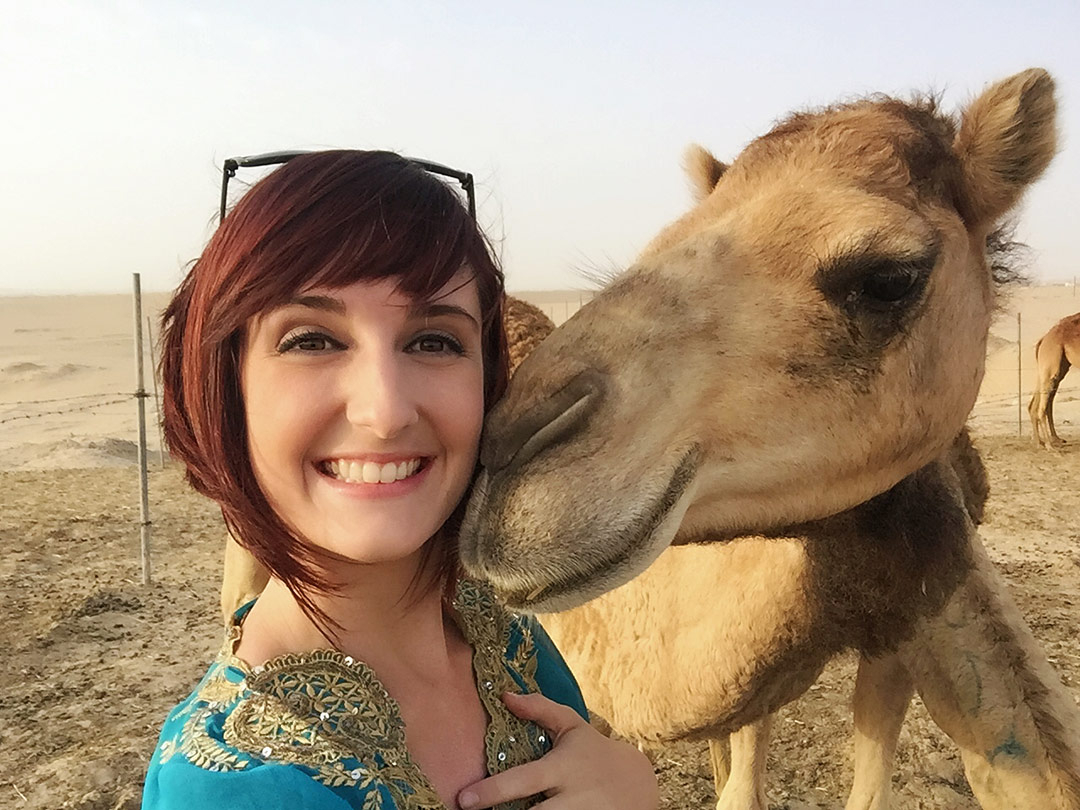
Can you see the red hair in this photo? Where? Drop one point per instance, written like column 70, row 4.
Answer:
column 323, row 219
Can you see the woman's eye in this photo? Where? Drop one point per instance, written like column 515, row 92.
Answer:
column 436, row 344
column 307, row 342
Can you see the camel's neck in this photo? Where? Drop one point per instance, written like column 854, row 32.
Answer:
column 881, row 566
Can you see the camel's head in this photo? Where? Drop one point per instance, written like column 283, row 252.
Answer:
column 809, row 334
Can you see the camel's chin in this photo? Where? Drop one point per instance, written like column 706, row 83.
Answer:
column 530, row 581
column 559, row 595
column 602, row 562
column 545, row 600
column 551, row 586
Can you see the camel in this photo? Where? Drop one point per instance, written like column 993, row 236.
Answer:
column 884, row 688
column 763, row 411
column 243, row 577
column 1055, row 353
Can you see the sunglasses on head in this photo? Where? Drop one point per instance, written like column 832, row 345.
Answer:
column 228, row 170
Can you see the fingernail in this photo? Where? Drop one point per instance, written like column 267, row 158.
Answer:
column 467, row 799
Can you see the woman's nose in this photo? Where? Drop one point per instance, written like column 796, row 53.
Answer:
column 381, row 396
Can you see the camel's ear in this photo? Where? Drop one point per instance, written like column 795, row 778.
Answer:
column 703, row 170
column 1006, row 140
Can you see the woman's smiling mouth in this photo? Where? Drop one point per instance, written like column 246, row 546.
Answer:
column 370, row 472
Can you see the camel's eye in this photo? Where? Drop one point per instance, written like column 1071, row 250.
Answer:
column 875, row 285
column 890, row 283
column 877, row 293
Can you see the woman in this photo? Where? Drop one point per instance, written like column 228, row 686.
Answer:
column 327, row 364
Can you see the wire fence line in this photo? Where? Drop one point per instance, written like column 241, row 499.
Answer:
column 65, row 399
column 119, row 397
column 999, row 399
column 125, row 339
column 558, row 309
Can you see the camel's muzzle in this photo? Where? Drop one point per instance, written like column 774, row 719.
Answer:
column 548, row 421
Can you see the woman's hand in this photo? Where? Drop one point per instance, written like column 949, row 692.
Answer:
column 583, row 771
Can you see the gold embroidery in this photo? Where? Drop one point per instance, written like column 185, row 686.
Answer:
column 323, row 707
column 509, row 740
column 221, row 691
column 330, row 714
column 202, row 749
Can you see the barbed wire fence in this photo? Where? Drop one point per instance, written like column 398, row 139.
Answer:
column 97, row 403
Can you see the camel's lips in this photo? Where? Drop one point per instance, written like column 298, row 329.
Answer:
column 562, row 593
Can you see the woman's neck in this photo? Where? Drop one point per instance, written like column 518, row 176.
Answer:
column 398, row 630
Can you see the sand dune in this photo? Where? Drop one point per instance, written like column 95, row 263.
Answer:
column 30, row 372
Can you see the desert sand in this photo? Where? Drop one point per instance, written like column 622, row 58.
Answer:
column 95, row 659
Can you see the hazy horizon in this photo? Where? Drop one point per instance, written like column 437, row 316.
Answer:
column 572, row 117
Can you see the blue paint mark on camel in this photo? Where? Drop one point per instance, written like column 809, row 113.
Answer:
column 1010, row 748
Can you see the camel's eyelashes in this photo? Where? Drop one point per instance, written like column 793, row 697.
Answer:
column 890, row 284
column 865, row 285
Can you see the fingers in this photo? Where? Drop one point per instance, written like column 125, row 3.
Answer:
column 517, row 783
column 584, row 770
column 555, row 717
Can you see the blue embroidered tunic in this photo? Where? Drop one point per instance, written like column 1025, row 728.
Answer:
column 318, row 730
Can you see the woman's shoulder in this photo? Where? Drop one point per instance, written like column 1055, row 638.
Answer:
column 242, row 739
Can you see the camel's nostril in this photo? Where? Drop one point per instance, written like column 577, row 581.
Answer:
column 548, row 421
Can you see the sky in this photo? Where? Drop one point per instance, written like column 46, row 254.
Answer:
column 115, row 115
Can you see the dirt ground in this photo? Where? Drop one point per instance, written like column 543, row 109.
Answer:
column 94, row 660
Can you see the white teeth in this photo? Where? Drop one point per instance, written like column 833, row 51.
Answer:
column 369, row 472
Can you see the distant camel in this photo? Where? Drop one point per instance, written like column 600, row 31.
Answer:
column 741, row 457
column 1056, row 352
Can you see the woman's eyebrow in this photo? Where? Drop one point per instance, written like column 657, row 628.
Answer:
column 323, row 302
column 434, row 309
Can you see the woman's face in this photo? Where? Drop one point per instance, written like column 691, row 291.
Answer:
column 364, row 410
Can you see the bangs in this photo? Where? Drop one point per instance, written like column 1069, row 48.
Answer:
column 357, row 222
column 415, row 231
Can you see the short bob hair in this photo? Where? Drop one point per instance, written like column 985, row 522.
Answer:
column 324, row 219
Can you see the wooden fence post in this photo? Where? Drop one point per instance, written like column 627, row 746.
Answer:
column 140, row 398
column 1019, row 379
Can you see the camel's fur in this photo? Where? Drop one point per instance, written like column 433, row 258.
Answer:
column 243, row 577
column 1055, row 353
column 526, row 326
column 756, row 385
